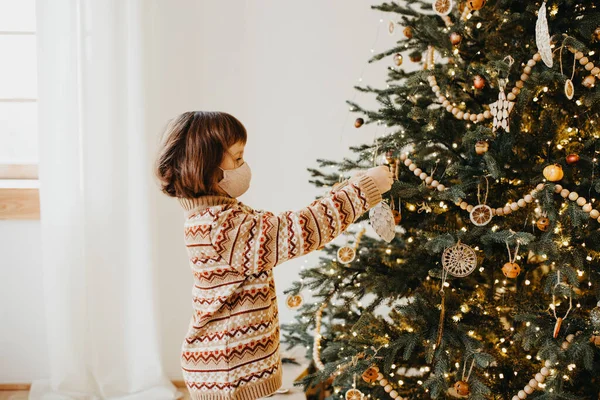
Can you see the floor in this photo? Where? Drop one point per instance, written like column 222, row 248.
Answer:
column 290, row 372
column 293, row 394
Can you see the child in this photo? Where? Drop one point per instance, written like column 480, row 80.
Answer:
column 231, row 349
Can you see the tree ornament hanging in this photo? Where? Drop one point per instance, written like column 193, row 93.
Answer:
column 542, row 36
column 354, row 393
column 572, row 159
column 408, row 32
column 502, row 108
column 359, row 122
column 479, row 82
column 382, row 221
column 346, row 254
column 459, row 260
column 370, row 375
column 391, row 27
column 559, row 320
column 553, row 172
column 569, row 86
column 294, row 301
column 569, row 89
column 442, row 7
column 481, row 147
column 543, row 223
column 511, row 269
column 481, row 214
column 416, row 57
column 461, row 389
column 455, row 38
column 475, row 5
column 597, row 34
column 398, row 59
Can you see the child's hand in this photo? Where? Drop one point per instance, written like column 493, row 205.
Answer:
column 381, row 175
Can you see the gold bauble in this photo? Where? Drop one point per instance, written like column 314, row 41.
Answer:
column 542, row 224
column 511, row 270
column 475, row 5
column 553, row 173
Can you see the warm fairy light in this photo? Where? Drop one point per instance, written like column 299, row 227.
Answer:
column 410, row 240
column 528, row 356
column 504, row 350
column 388, row 251
column 527, row 282
column 501, row 376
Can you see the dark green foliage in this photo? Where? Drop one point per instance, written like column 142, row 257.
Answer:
column 384, row 308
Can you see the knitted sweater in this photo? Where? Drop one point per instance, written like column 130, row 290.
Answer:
column 231, row 349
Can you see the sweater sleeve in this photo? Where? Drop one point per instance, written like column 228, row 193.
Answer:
column 255, row 241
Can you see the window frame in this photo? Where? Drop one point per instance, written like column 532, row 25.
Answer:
column 18, row 203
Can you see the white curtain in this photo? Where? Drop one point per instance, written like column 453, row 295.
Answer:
column 99, row 266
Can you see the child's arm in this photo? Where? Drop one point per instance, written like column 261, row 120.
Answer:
column 252, row 242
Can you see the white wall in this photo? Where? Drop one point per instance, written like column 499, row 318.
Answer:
column 285, row 70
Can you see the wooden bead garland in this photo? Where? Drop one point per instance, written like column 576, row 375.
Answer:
column 514, row 206
column 540, row 377
column 480, row 117
column 387, row 385
column 317, row 342
column 589, row 81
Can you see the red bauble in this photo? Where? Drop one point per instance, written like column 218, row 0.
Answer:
column 479, row 82
column 455, row 38
column 572, row 159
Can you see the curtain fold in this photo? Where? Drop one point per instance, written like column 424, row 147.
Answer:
column 97, row 226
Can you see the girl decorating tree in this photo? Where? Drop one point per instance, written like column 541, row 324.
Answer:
column 231, row 349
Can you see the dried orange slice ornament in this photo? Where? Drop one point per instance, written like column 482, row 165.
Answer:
column 481, row 215
column 346, row 254
column 442, row 7
column 354, row 394
column 294, row 301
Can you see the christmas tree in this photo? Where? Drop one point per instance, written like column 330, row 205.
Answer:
column 486, row 279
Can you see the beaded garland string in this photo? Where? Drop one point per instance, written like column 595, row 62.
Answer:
column 513, row 206
column 537, row 382
column 515, row 91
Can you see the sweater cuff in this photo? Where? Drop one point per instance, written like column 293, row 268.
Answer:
column 367, row 185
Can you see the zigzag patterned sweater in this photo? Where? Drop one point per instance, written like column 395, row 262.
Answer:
column 231, row 349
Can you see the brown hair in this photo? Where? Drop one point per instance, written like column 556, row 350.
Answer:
column 191, row 150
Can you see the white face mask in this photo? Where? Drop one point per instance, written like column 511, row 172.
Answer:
column 236, row 181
